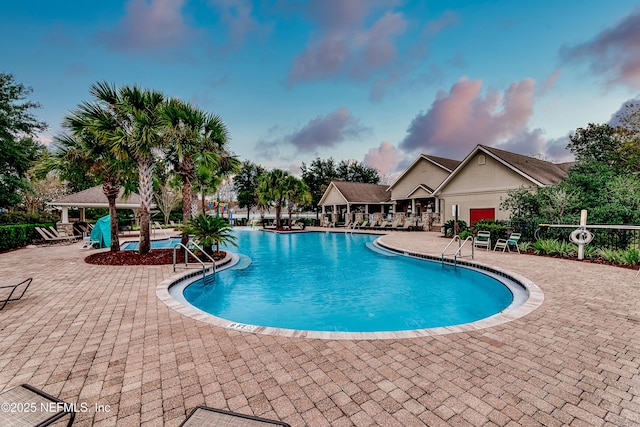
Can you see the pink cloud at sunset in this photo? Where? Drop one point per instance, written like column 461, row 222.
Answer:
column 462, row 118
column 385, row 158
column 344, row 43
column 150, row 25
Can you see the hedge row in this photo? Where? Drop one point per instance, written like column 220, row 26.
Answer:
column 17, row 236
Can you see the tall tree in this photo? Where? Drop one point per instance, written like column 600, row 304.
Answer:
column 630, row 147
column 272, row 189
column 194, row 137
column 18, row 148
column 296, row 194
column 80, row 153
column 597, row 142
column 136, row 135
column 317, row 175
column 353, row 171
column 245, row 183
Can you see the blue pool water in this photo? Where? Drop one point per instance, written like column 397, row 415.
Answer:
column 335, row 282
column 155, row 244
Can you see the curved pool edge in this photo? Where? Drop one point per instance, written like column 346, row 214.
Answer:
column 534, row 300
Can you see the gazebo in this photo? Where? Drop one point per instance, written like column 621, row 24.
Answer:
column 348, row 201
column 93, row 198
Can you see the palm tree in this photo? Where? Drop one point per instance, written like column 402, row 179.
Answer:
column 211, row 230
column 194, row 137
column 296, row 193
column 272, row 190
column 85, row 155
column 133, row 132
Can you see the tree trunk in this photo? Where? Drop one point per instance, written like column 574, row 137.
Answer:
column 186, row 206
column 278, row 213
column 111, row 190
column 146, row 196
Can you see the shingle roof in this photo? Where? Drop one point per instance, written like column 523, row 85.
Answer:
column 540, row 170
column 94, row 196
column 447, row 163
column 358, row 192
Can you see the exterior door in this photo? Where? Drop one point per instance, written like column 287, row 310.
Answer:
column 476, row 215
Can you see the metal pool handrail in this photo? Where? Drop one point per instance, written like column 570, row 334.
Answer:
column 455, row 254
column 186, row 258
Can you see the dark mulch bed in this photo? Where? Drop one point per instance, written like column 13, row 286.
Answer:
column 156, row 257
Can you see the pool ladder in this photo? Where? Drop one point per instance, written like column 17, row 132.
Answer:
column 212, row 270
column 458, row 252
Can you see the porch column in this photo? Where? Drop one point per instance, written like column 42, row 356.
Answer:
column 83, row 214
column 413, row 206
column 65, row 215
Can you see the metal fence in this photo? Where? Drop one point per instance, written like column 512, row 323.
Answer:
column 604, row 236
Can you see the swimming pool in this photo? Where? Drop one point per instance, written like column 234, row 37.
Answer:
column 336, row 282
column 168, row 243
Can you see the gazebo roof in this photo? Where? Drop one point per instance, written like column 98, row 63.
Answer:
column 94, row 198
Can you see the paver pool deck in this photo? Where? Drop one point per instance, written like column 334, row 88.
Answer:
column 99, row 335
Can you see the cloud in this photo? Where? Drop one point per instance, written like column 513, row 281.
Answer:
column 321, row 132
column 551, row 80
column 327, row 131
column 150, row 25
column 385, row 158
column 462, row 118
column 238, row 17
column 614, row 53
column 359, row 40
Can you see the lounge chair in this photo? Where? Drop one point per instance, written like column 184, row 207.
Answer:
column 483, row 239
column 87, row 243
column 382, row 224
column 37, row 407
column 11, row 289
column 50, row 239
column 362, row 224
column 408, row 225
column 57, row 233
column 204, row 416
column 508, row 243
column 393, row 224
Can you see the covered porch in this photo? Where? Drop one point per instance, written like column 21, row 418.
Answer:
column 92, row 198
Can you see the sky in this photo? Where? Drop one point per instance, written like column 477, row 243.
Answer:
column 377, row 81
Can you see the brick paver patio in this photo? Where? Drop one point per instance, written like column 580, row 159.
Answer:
column 98, row 335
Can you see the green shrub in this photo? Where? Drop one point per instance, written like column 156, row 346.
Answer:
column 464, row 234
column 525, row 246
column 610, row 255
column 449, row 226
column 14, row 218
column 498, row 231
column 543, row 246
column 630, row 257
column 590, row 252
column 19, row 235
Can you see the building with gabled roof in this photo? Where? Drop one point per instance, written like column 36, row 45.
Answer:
column 94, row 198
column 431, row 185
column 342, row 198
column 412, row 191
column 482, row 180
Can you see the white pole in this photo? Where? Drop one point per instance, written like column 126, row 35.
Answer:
column 583, row 223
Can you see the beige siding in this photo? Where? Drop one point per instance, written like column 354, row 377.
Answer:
column 420, row 192
column 480, row 186
column 334, row 198
column 423, row 172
